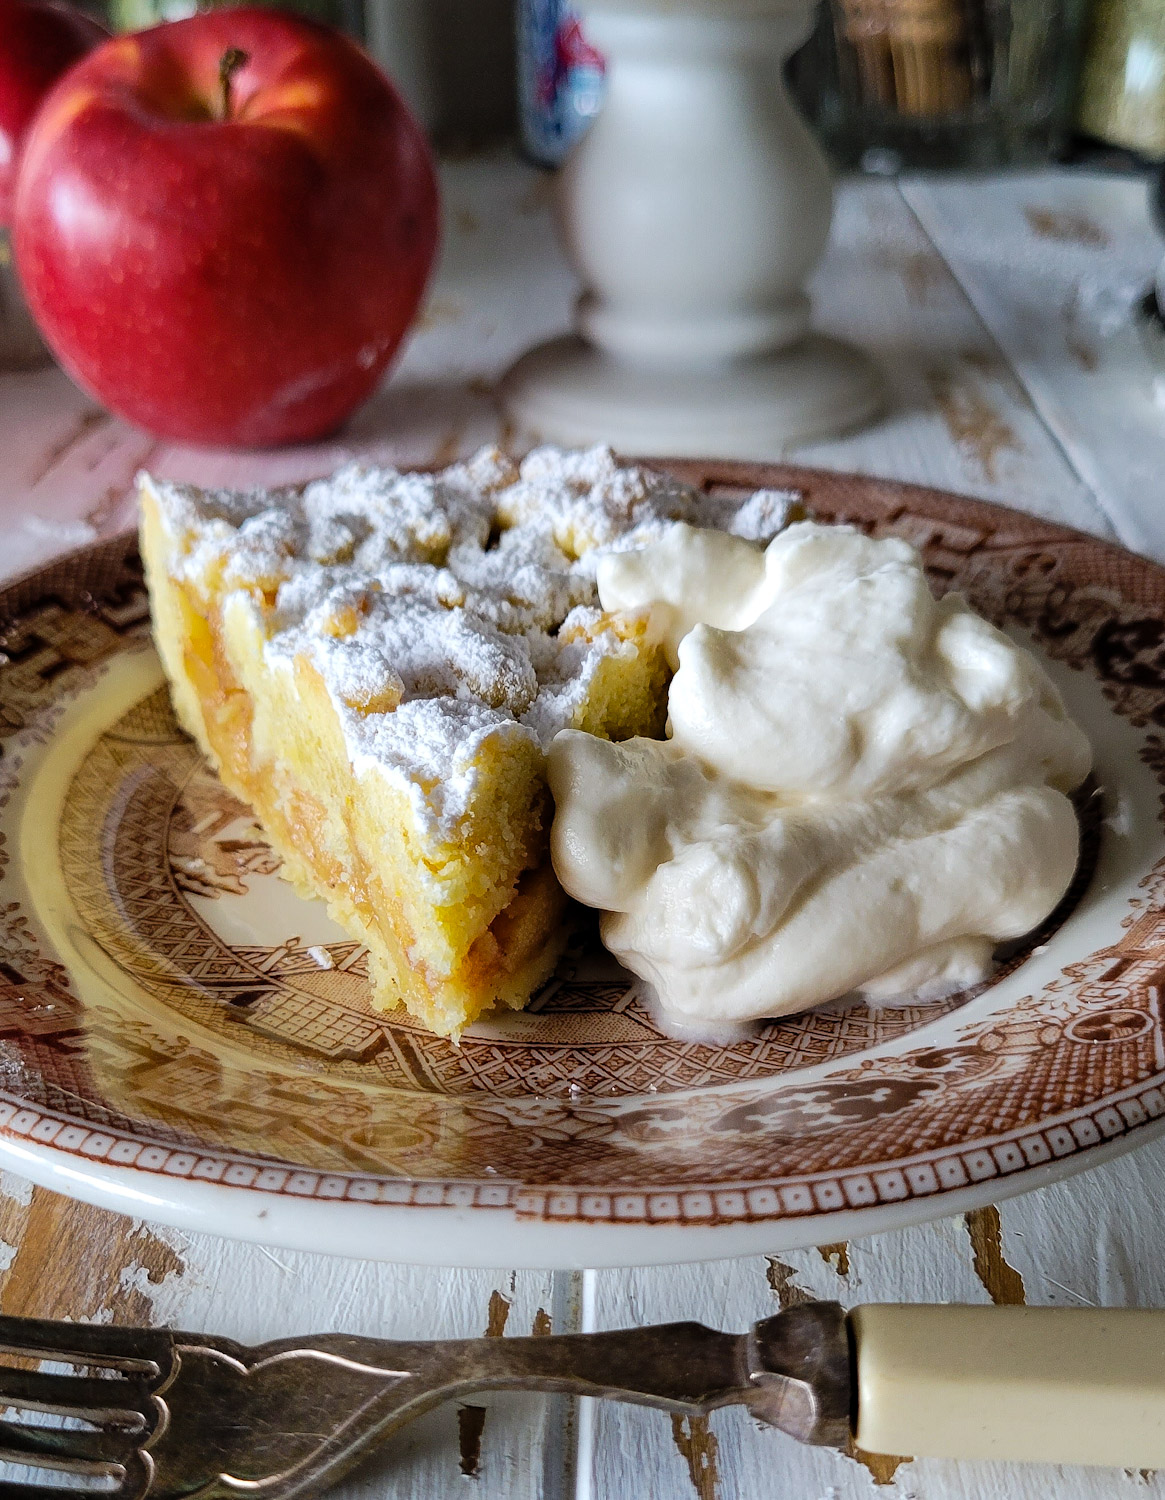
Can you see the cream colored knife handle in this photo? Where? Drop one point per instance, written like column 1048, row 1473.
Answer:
column 1047, row 1384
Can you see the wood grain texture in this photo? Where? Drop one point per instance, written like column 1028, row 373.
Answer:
column 54, row 1272
column 959, row 419
column 1001, row 1281
column 991, row 308
column 1054, row 264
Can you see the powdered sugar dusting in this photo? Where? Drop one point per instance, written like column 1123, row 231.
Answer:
column 765, row 513
column 442, row 610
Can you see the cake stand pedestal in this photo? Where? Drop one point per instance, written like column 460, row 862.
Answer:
column 693, row 210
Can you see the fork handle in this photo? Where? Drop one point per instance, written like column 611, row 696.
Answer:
column 1042, row 1384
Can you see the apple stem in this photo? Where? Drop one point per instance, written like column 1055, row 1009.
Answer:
column 232, row 60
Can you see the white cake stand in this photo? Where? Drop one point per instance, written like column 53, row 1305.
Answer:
column 693, row 210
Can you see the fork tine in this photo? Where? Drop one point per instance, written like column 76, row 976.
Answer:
column 96, row 1399
column 71, row 1449
column 143, row 1350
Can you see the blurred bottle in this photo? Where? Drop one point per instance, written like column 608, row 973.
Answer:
column 21, row 346
column 1122, row 84
column 560, row 79
column 453, row 60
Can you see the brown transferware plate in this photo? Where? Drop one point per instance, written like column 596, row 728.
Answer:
column 183, row 1037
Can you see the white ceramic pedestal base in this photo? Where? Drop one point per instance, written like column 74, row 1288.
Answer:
column 567, row 391
column 693, row 211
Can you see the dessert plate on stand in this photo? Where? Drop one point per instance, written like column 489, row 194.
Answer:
column 183, row 1038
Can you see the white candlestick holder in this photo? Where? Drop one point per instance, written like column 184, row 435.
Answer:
column 693, row 211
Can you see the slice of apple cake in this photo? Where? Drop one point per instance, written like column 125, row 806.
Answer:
column 377, row 662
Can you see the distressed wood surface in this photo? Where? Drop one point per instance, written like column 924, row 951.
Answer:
column 1055, row 264
column 999, row 310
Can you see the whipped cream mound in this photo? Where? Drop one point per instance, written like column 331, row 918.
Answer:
column 442, row 610
column 865, row 788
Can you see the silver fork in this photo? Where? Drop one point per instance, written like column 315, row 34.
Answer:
column 178, row 1414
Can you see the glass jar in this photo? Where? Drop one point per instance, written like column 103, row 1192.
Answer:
column 927, row 83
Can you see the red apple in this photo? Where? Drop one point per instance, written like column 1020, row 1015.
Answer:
column 225, row 225
column 38, row 41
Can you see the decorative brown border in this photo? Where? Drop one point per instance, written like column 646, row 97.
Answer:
column 711, row 1205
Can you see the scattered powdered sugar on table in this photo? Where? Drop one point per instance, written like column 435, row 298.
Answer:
column 443, row 610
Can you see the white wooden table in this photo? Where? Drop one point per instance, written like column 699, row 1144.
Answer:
column 999, row 309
